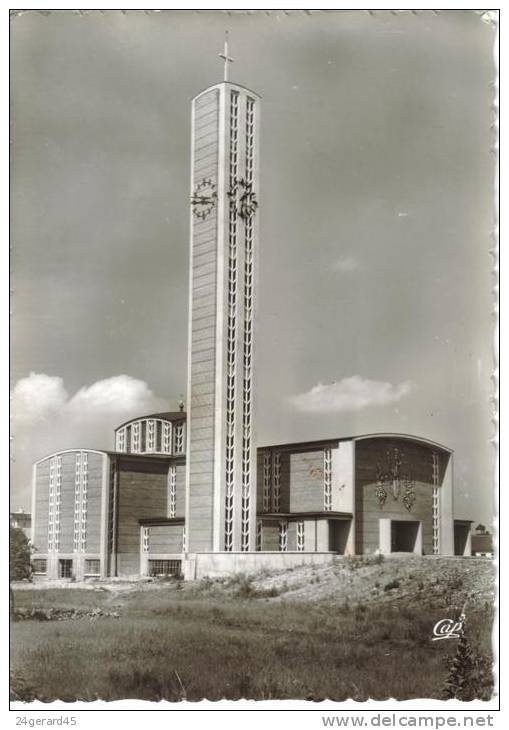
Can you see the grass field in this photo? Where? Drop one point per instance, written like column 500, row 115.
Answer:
column 235, row 639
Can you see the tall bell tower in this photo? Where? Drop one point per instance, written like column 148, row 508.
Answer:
column 221, row 478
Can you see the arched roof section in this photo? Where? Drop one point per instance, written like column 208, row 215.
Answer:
column 69, row 451
column 165, row 416
column 229, row 84
column 404, row 437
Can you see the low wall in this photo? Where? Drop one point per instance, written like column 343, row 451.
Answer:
column 200, row 565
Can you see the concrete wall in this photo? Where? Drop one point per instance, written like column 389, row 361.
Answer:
column 343, row 477
column 199, row 565
column 291, row 537
column 91, row 517
column 180, row 502
column 94, row 506
column 306, row 479
column 417, row 461
column 270, row 536
column 40, row 507
column 142, row 493
column 316, row 535
column 67, row 503
column 202, row 372
column 259, row 480
column 446, row 504
column 165, row 543
column 165, row 539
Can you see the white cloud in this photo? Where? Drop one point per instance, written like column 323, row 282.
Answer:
column 349, row 394
column 37, row 397
column 119, row 394
column 41, row 396
column 46, row 419
column 345, row 264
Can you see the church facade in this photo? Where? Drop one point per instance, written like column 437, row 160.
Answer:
column 123, row 512
column 189, row 493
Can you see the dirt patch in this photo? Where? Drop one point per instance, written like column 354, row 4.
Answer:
column 373, row 579
column 59, row 614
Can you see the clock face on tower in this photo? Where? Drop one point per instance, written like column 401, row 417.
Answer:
column 243, row 195
column 204, row 198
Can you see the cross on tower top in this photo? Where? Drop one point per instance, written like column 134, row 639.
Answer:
column 226, row 58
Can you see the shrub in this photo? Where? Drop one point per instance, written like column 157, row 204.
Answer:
column 354, row 562
column 244, row 586
column 19, row 555
column 470, row 676
column 391, row 585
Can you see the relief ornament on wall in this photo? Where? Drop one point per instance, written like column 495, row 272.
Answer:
column 392, row 478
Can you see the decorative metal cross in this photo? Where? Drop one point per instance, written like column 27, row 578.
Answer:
column 226, row 58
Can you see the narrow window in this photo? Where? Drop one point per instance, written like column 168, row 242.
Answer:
column 300, row 536
column 145, row 537
column 283, row 537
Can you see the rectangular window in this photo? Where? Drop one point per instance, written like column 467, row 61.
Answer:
column 159, row 433
column 300, row 536
column 276, row 482
column 128, row 439
column 267, row 461
column 39, row 566
column 166, row 438
column 172, row 491
column 136, row 437
column 435, row 505
column 145, row 539
column 164, row 567
column 143, row 436
column 327, row 480
column 151, row 437
column 283, row 537
column 121, row 440
column 65, row 568
column 178, row 436
column 92, row 567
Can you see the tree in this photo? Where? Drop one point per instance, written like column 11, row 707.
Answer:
column 19, row 555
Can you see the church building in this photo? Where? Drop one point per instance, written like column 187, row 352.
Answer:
column 190, row 493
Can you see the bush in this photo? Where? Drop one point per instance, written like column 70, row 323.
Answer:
column 391, row 585
column 243, row 586
column 19, row 555
column 470, row 675
column 354, row 562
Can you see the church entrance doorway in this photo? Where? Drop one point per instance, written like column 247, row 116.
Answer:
column 405, row 536
column 338, row 535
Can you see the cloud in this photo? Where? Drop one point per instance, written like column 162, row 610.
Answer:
column 37, row 397
column 349, row 394
column 345, row 264
column 120, row 394
column 45, row 418
column 40, row 397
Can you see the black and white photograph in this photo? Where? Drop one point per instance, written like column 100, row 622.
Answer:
column 253, row 271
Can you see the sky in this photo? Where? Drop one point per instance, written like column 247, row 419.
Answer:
column 375, row 290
